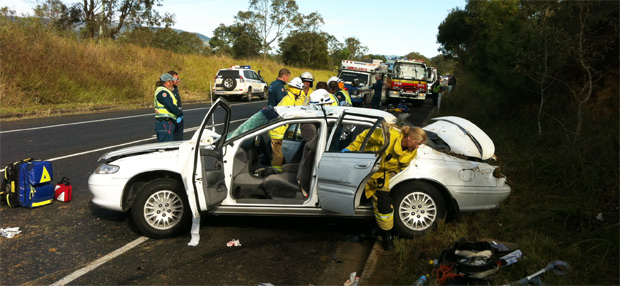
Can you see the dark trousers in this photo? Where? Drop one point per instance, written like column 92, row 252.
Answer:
column 164, row 130
column 178, row 131
column 375, row 102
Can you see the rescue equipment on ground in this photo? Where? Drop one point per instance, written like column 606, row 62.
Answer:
column 63, row 191
column 27, row 183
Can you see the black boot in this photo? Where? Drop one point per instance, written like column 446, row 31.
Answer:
column 387, row 240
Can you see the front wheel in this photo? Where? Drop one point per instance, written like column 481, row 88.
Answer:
column 417, row 208
column 161, row 209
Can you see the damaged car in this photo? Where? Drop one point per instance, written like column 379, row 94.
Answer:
column 223, row 170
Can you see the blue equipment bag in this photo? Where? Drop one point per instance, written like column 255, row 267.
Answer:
column 35, row 184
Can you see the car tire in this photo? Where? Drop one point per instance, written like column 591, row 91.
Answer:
column 229, row 83
column 161, row 209
column 248, row 95
column 417, row 208
column 265, row 94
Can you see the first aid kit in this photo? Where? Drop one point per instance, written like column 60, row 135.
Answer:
column 27, row 183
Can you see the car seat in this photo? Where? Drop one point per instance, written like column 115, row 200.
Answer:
column 294, row 181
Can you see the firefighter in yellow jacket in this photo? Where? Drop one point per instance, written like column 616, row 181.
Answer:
column 293, row 98
column 402, row 148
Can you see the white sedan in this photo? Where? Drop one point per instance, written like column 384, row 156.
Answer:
column 222, row 171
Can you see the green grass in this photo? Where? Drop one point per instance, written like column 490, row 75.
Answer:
column 559, row 186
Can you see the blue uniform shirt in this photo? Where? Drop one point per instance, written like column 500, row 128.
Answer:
column 276, row 92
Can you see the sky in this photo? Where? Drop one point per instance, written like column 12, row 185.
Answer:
column 393, row 27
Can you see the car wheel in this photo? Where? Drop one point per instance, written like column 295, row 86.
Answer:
column 248, row 95
column 417, row 208
column 229, row 83
column 161, row 209
column 265, row 94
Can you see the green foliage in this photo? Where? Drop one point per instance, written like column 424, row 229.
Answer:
column 355, row 48
column 238, row 40
column 167, row 39
column 417, row 56
column 305, row 49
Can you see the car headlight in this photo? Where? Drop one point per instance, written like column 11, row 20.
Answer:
column 107, row 169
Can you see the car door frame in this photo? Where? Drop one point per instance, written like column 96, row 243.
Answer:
column 342, row 195
column 198, row 196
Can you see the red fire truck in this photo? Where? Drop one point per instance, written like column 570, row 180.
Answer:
column 407, row 82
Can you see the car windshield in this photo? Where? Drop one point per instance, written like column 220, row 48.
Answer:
column 410, row 71
column 349, row 76
column 257, row 120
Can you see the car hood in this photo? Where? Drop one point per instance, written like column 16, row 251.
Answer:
column 463, row 137
column 141, row 149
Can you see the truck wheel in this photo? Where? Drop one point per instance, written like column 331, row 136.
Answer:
column 417, row 208
column 161, row 209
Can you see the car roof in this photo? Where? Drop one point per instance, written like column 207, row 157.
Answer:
column 313, row 111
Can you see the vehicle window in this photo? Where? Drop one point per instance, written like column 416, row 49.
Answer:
column 259, row 119
column 348, row 132
column 410, row 71
column 254, row 75
column 293, row 133
column 349, row 76
column 228, row 73
column 248, row 74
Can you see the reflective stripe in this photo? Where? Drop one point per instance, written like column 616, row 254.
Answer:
column 160, row 109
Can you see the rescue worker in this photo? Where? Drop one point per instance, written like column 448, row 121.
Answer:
column 336, row 85
column 167, row 112
column 308, row 79
column 178, row 130
column 321, row 97
column 436, row 88
column 277, row 91
column 293, row 98
column 323, row 85
column 375, row 102
column 402, row 148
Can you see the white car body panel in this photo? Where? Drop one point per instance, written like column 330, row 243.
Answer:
column 470, row 183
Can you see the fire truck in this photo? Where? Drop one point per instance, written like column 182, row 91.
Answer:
column 358, row 77
column 408, row 82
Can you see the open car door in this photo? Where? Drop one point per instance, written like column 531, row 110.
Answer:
column 207, row 165
column 341, row 174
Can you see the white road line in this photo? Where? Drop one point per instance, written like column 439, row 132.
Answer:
column 99, row 262
column 120, row 145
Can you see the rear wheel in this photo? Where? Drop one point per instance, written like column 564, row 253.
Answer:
column 248, row 95
column 417, row 208
column 161, row 209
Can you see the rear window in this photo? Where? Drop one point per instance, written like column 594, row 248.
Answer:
column 230, row 73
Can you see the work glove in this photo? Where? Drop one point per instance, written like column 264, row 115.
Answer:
column 179, row 119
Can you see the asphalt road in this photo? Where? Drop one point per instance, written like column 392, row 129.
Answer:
column 78, row 243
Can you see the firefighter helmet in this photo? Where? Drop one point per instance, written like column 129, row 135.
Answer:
column 296, row 83
column 320, row 96
column 307, row 76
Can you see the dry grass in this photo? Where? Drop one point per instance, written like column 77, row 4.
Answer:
column 43, row 71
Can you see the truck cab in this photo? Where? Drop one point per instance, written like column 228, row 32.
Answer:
column 408, row 82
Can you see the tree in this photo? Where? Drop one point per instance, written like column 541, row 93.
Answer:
column 308, row 49
column 271, row 18
column 417, row 56
column 239, row 40
column 107, row 18
column 59, row 15
column 355, row 47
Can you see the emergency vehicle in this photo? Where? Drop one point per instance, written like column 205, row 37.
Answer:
column 408, row 82
column 358, row 77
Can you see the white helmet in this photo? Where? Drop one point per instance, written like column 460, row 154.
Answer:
column 333, row 78
column 320, row 96
column 296, row 83
column 307, row 76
